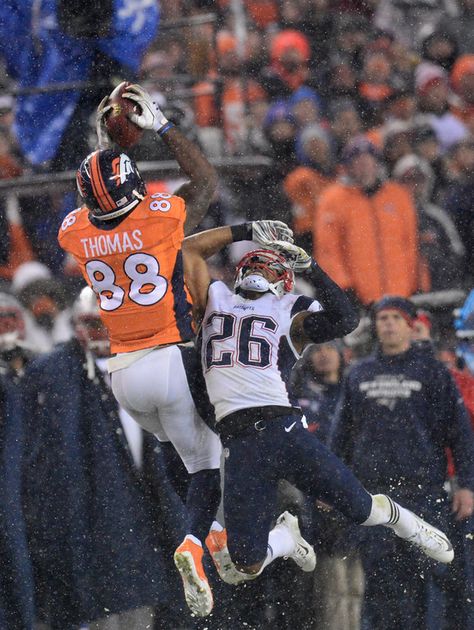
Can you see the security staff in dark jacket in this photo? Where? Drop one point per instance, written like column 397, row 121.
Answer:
column 101, row 522
column 16, row 576
column 399, row 411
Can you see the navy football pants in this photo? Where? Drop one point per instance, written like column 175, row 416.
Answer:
column 256, row 460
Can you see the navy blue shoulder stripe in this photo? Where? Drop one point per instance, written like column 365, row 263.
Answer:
column 301, row 304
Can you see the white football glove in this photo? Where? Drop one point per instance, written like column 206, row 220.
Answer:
column 297, row 258
column 102, row 135
column 151, row 117
column 266, row 232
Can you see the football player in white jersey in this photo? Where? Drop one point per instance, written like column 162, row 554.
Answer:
column 251, row 338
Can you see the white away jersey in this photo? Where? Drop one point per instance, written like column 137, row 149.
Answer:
column 247, row 354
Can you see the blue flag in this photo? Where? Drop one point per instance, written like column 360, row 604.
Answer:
column 38, row 53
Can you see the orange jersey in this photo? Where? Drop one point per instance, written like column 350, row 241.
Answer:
column 136, row 271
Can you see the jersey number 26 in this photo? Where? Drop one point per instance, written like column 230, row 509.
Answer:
column 251, row 349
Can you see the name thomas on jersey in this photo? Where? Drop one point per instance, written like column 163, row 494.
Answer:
column 107, row 244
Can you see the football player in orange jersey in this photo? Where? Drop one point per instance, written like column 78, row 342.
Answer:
column 128, row 246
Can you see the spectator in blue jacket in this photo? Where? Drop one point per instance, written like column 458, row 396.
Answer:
column 400, row 410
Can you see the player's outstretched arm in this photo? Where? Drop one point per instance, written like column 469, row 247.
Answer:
column 199, row 247
column 196, row 250
column 338, row 318
column 198, row 192
column 264, row 232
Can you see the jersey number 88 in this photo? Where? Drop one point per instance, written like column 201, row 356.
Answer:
column 143, row 271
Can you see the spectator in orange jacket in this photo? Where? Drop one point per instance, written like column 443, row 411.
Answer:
column 304, row 185
column 365, row 230
column 227, row 106
column 462, row 81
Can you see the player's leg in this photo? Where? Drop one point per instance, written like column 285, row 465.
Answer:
column 251, row 474
column 154, row 390
column 175, row 469
column 197, row 445
column 249, row 501
column 322, row 475
column 200, row 451
column 407, row 525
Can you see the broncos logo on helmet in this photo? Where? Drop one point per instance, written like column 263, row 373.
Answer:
column 278, row 276
column 110, row 184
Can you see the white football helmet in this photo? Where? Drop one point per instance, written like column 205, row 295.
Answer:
column 278, row 277
column 90, row 331
column 12, row 323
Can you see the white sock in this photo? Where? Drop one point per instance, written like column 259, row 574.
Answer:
column 280, row 544
column 387, row 512
column 216, row 527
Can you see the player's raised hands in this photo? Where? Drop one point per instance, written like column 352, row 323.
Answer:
column 151, row 116
column 298, row 259
column 102, row 135
column 266, row 232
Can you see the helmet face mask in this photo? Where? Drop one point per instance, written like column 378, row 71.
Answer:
column 12, row 326
column 89, row 329
column 110, row 184
column 264, row 270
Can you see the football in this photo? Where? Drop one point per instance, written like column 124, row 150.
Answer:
column 120, row 128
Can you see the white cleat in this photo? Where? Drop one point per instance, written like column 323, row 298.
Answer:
column 431, row 541
column 303, row 553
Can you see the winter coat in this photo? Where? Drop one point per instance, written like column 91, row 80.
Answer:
column 396, row 418
column 97, row 532
column 368, row 243
column 16, row 578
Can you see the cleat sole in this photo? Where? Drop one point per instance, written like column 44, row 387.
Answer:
column 197, row 592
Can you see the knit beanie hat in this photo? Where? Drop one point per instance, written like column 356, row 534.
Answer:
column 397, row 303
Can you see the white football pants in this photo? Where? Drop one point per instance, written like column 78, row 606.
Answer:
column 154, row 390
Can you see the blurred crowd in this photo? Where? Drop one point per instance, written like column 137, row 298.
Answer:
column 365, row 111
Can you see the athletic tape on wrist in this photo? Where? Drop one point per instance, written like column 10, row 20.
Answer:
column 165, row 128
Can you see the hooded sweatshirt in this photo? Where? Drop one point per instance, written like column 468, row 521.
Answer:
column 396, row 418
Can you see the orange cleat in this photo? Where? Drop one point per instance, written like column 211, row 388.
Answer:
column 188, row 561
column 216, row 542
